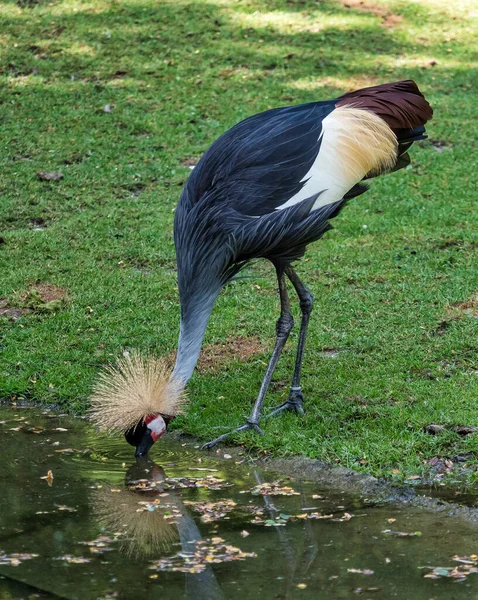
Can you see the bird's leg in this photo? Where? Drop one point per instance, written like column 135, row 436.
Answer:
column 295, row 399
column 283, row 329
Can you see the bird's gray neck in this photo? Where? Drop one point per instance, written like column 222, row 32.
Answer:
column 194, row 320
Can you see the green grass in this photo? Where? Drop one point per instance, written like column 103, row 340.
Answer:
column 178, row 74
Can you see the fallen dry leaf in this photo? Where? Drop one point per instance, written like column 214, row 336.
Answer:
column 271, row 489
column 99, row 545
column 212, row 511
column 48, row 477
column 206, row 552
column 209, row 482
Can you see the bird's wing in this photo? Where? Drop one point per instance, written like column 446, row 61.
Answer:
column 277, row 159
column 280, row 158
column 262, row 162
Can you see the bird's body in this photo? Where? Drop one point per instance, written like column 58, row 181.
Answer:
column 270, row 186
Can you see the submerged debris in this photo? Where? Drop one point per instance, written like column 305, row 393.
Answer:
column 206, row 552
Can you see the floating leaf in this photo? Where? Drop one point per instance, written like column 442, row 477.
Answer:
column 272, row 489
column 212, row 511
column 74, row 560
column 209, row 482
column 361, row 571
column 13, row 560
column 206, row 552
column 65, row 508
column 48, row 477
column 402, row 533
column 99, row 545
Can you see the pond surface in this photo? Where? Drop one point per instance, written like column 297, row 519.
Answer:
column 183, row 524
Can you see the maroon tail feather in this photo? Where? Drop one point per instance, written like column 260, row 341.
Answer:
column 400, row 104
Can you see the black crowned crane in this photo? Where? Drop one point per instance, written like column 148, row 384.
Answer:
column 266, row 188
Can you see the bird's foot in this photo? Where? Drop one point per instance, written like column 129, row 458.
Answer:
column 293, row 404
column 244, row 427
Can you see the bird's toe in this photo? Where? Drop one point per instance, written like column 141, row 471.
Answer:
column 245, row 427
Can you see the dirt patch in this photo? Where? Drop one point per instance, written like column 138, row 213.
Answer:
column 40, row 298
column 446, row 243
column 330, row 352
column 190, row 161
column 48, row 176
column 388, row 18
column 9, row 312
column 38, row 223
column 469, row 308
column 241, row 348
column 134, row 188
column 437, row 145
column 47, row 292
column 214, row 357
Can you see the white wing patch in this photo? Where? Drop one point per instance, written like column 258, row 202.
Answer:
column 355, row 143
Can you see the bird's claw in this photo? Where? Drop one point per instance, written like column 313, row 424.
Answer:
column 244, row 427
column 293, row 404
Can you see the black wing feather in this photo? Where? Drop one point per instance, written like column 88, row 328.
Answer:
column 259, row 164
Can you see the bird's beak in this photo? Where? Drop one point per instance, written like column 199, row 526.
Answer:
column 155, row 427
column 145, row 444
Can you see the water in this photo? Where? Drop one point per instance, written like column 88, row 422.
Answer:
column 97, row 496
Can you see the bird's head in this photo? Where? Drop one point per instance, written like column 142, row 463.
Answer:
column 147, row 431
column 138, row 397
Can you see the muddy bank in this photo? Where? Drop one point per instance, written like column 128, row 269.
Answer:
column 372, row 489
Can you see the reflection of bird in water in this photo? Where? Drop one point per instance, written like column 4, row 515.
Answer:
column 153, row 534
column 267, row 188
column 142, row 532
